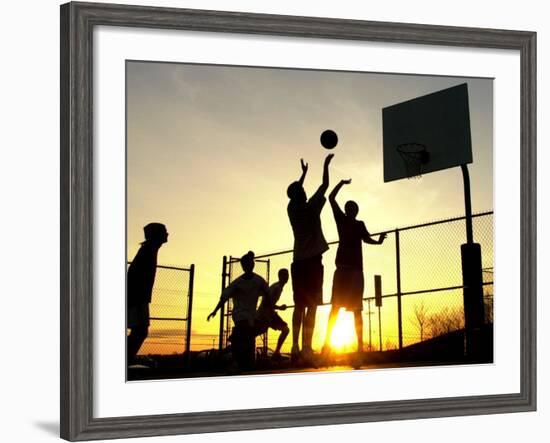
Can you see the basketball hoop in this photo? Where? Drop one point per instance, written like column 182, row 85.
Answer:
column 414, row 156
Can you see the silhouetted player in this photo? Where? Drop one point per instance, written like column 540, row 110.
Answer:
column 307, row 266
column 348, row 283
column 266, row 317
column 245, row 292
column 141, row 278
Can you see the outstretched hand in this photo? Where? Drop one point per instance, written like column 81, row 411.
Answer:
column 304, row 165
column 212, row 314
column 346, row 182
column 282, row 307
column 382, row 237
column 328, row 158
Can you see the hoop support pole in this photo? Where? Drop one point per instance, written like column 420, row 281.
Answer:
column 467, row 204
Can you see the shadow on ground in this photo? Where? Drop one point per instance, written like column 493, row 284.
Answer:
column 447, row 349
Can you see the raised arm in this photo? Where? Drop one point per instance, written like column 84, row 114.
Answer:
column 336, row 190
column 324, row 185
column 304, row 171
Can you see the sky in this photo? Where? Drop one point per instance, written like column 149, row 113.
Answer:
column 211, row 150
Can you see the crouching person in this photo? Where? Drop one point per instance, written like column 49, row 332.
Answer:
column 266, row 317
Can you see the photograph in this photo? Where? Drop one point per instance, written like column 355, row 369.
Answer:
column 284, row 220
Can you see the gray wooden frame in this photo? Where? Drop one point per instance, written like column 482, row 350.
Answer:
column 77, row 23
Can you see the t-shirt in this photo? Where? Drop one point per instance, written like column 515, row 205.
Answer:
column 245, row 291
column 266, row 309
column 351, row 233
column 305, row 219
column 141, row 275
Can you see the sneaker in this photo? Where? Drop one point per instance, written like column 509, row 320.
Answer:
column 357, row 360
column 295, row 354
column 325, row 356
column 326, row 351
column 145, row 361
column 308, row 358
column 233, row 369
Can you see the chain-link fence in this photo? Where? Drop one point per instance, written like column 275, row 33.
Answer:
column 431, row 276
column 170, row 312
column 422, row 288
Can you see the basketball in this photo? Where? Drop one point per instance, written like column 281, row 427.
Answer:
column 329, row 139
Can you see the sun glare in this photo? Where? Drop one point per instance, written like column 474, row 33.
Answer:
column 343, row 337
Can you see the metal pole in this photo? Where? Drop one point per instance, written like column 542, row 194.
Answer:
column 467, row 204
column 227, row 330
column 266, row 335
column 370, row 328
column 398, row 275
column 222, row 310
column 472, row 278
column 302, row 323
column 380, row 328
column 229, row 305
column 190, row 310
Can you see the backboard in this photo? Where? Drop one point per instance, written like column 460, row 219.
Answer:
column 438, row 123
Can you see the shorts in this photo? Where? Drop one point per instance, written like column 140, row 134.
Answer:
column 275, row 322
column 138, row 316
column 307, row 281
column 347, row 289
column 243, row 344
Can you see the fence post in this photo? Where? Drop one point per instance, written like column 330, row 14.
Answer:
column 380, row 328
column 229, row 305
column 222, row 310
column 266, row 336
column 398, row 275
column 190, row 310
column 370, row 328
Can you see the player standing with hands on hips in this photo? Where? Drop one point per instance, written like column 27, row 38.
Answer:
column 307, row 265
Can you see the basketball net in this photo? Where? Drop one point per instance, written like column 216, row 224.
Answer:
column 414, row 156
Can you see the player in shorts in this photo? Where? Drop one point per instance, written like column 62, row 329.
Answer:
column 141, row 278
column 307, row 265
column 245, row 292
column 266, row 317
column 348, row 283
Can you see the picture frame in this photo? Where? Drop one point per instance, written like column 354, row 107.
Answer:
column 78, row 21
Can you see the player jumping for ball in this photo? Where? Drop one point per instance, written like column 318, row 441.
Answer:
column 307, row 265
column 348, row 283
column 266, row 317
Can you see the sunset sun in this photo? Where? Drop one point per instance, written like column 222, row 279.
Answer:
column 343, row 337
